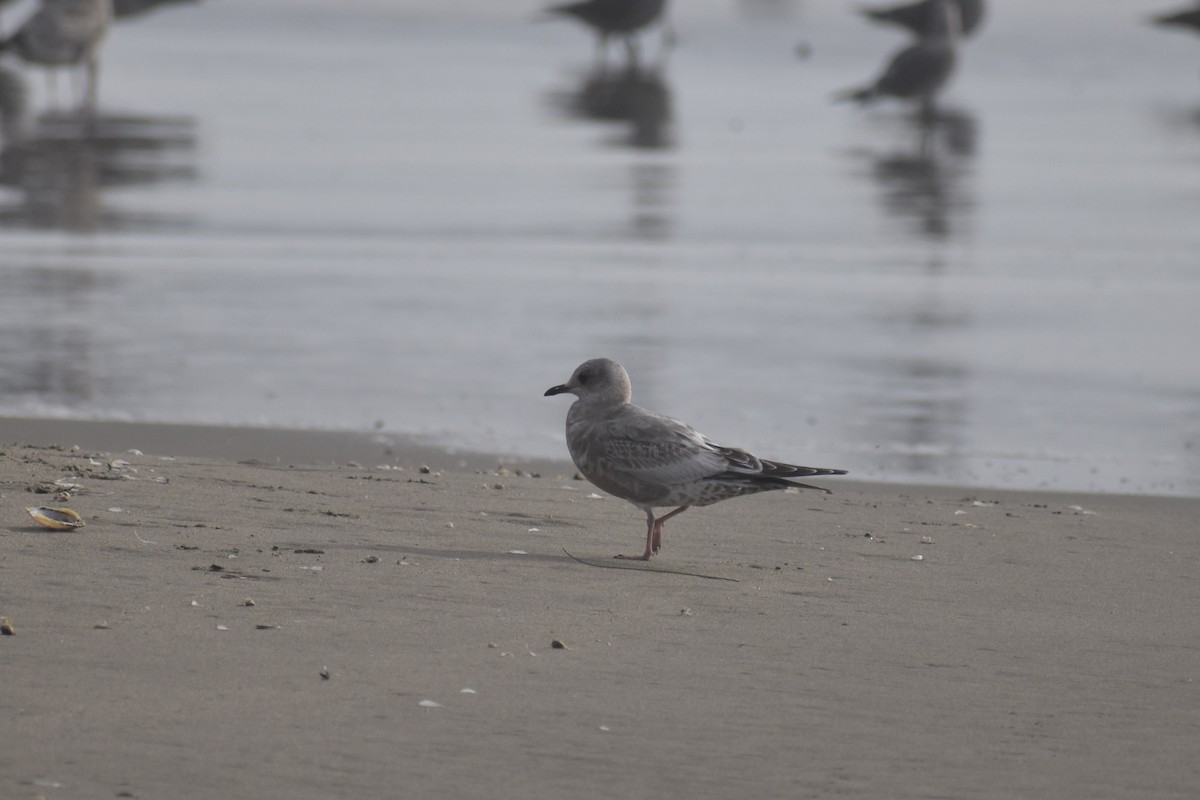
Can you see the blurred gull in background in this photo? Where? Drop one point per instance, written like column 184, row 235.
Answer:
column 65, row 33
column 608, row 17
column 1188, row 18
column 917, row 16
column 921, row 70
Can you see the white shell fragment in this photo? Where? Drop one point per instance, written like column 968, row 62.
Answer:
column 429, row 704
column 56, row 519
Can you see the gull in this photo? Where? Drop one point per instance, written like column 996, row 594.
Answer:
column 654, row 461
column 919, row 71
column 609, row 17
column 62, row 33
column 915, row 16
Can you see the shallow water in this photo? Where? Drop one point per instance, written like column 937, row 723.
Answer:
column 352, row 215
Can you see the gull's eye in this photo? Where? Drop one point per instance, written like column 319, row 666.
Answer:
column 583, row 378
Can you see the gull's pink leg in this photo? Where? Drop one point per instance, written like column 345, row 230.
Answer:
column 654, row 530
column 650, row 528
column 658, row 526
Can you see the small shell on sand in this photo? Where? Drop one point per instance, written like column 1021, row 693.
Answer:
column 56, row 519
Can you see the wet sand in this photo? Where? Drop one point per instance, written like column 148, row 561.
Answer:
column 1045, row 644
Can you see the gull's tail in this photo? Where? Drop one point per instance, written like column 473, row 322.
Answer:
column 749, row 470
column 763, row 482
column 775, row 471
column 762, row 474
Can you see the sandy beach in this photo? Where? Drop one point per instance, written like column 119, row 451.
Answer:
column 233, row 625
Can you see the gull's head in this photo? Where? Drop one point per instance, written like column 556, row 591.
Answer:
column 598, row 380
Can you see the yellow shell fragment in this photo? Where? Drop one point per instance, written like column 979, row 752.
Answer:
column 56, row 519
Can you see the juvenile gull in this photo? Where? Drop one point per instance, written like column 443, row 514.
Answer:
column 919, row 71
column 655, row 461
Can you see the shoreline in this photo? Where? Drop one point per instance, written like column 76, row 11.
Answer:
column 299, row 447
column 267, row 445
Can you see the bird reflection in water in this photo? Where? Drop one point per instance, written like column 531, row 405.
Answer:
column 59, row 165
column 926, row 181
column 47, row 348
column 639, row 100
column 635, row 95
column 918, row 404
column 919, row 397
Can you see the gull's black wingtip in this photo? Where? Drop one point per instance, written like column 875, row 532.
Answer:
column 824, row 472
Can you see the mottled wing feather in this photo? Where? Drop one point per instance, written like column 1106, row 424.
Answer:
column 659, row 450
